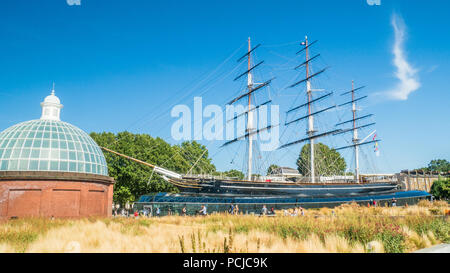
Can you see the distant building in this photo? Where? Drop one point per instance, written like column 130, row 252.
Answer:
column 50, row 168
column 285, row 173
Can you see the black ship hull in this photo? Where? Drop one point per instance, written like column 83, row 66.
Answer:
column 229, row 188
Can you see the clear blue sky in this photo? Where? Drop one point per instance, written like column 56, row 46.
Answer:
column 118, row 65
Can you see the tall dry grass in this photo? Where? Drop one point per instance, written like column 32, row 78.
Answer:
column 348, row 228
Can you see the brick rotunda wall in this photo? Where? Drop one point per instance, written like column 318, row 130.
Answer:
column 57, row 194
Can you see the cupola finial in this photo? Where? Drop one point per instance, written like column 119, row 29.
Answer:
column 51, row 106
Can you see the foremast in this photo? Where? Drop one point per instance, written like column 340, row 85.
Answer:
column 252, row 87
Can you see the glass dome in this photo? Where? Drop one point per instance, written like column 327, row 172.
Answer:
column 50, row 145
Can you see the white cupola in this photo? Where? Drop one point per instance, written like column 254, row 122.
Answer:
column 51, row 107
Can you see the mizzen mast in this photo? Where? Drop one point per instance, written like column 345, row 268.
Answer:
column 250, row 114
column 355, row 127
column 310, row 117
column 355, row 134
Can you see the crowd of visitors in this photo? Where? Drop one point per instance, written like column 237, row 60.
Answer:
column 297, row 211
column 391, row 203
column 233, row 209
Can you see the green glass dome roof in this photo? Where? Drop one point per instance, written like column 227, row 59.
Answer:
column 50, row 145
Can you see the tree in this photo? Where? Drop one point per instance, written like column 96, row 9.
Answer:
column 134, row 179
column 234, row 174
column 441, row 188
column 122, row 195
column 439, row 165
column 194, row 158
column 326, row 161
column 272, row 168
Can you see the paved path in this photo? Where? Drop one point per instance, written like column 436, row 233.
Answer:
column 442, row 248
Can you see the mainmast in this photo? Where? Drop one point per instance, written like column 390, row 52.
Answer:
column 355, row 127
column 252, row 87
column 311, row 132
column 250, row 114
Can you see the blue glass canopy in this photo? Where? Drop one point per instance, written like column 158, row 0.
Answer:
column 180, row 198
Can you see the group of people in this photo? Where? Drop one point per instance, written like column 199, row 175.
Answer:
column 233, row 209
column 297, row 211
column 265, row 211
column 391, row 203
column 157, row 212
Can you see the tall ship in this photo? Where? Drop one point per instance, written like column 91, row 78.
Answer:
column 285, row 182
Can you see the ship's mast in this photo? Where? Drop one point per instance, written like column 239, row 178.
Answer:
column 355, row 127
column 355, row 134
column 252, row 87
column 250, row 114
column 310, row 117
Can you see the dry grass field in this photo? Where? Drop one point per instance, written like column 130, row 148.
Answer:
column 348, row 228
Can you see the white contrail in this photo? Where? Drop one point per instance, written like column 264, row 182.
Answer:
column 407, row 74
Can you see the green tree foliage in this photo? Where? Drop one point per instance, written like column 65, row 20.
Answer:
column 272, row 168
column 134, row 179
column 122, row 195
column 326, row 161
column 234, row 174
column 441, row 188
column 439, row 165
column 193, row 158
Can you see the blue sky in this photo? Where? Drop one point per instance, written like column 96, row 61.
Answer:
column 119, row 65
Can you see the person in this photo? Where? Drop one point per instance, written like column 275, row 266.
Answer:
column 236, row 209
column 170, row 211
column 183, row 211
column 203, row 210
column 294, row 212
column 158, row 211
column 285, row 212
column 272, row 211
column 136, row 214
column 302, row 212
column 394, row 202
column 231, row 209
column 264, row 210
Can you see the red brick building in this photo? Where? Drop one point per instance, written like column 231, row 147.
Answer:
column 50, row 168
